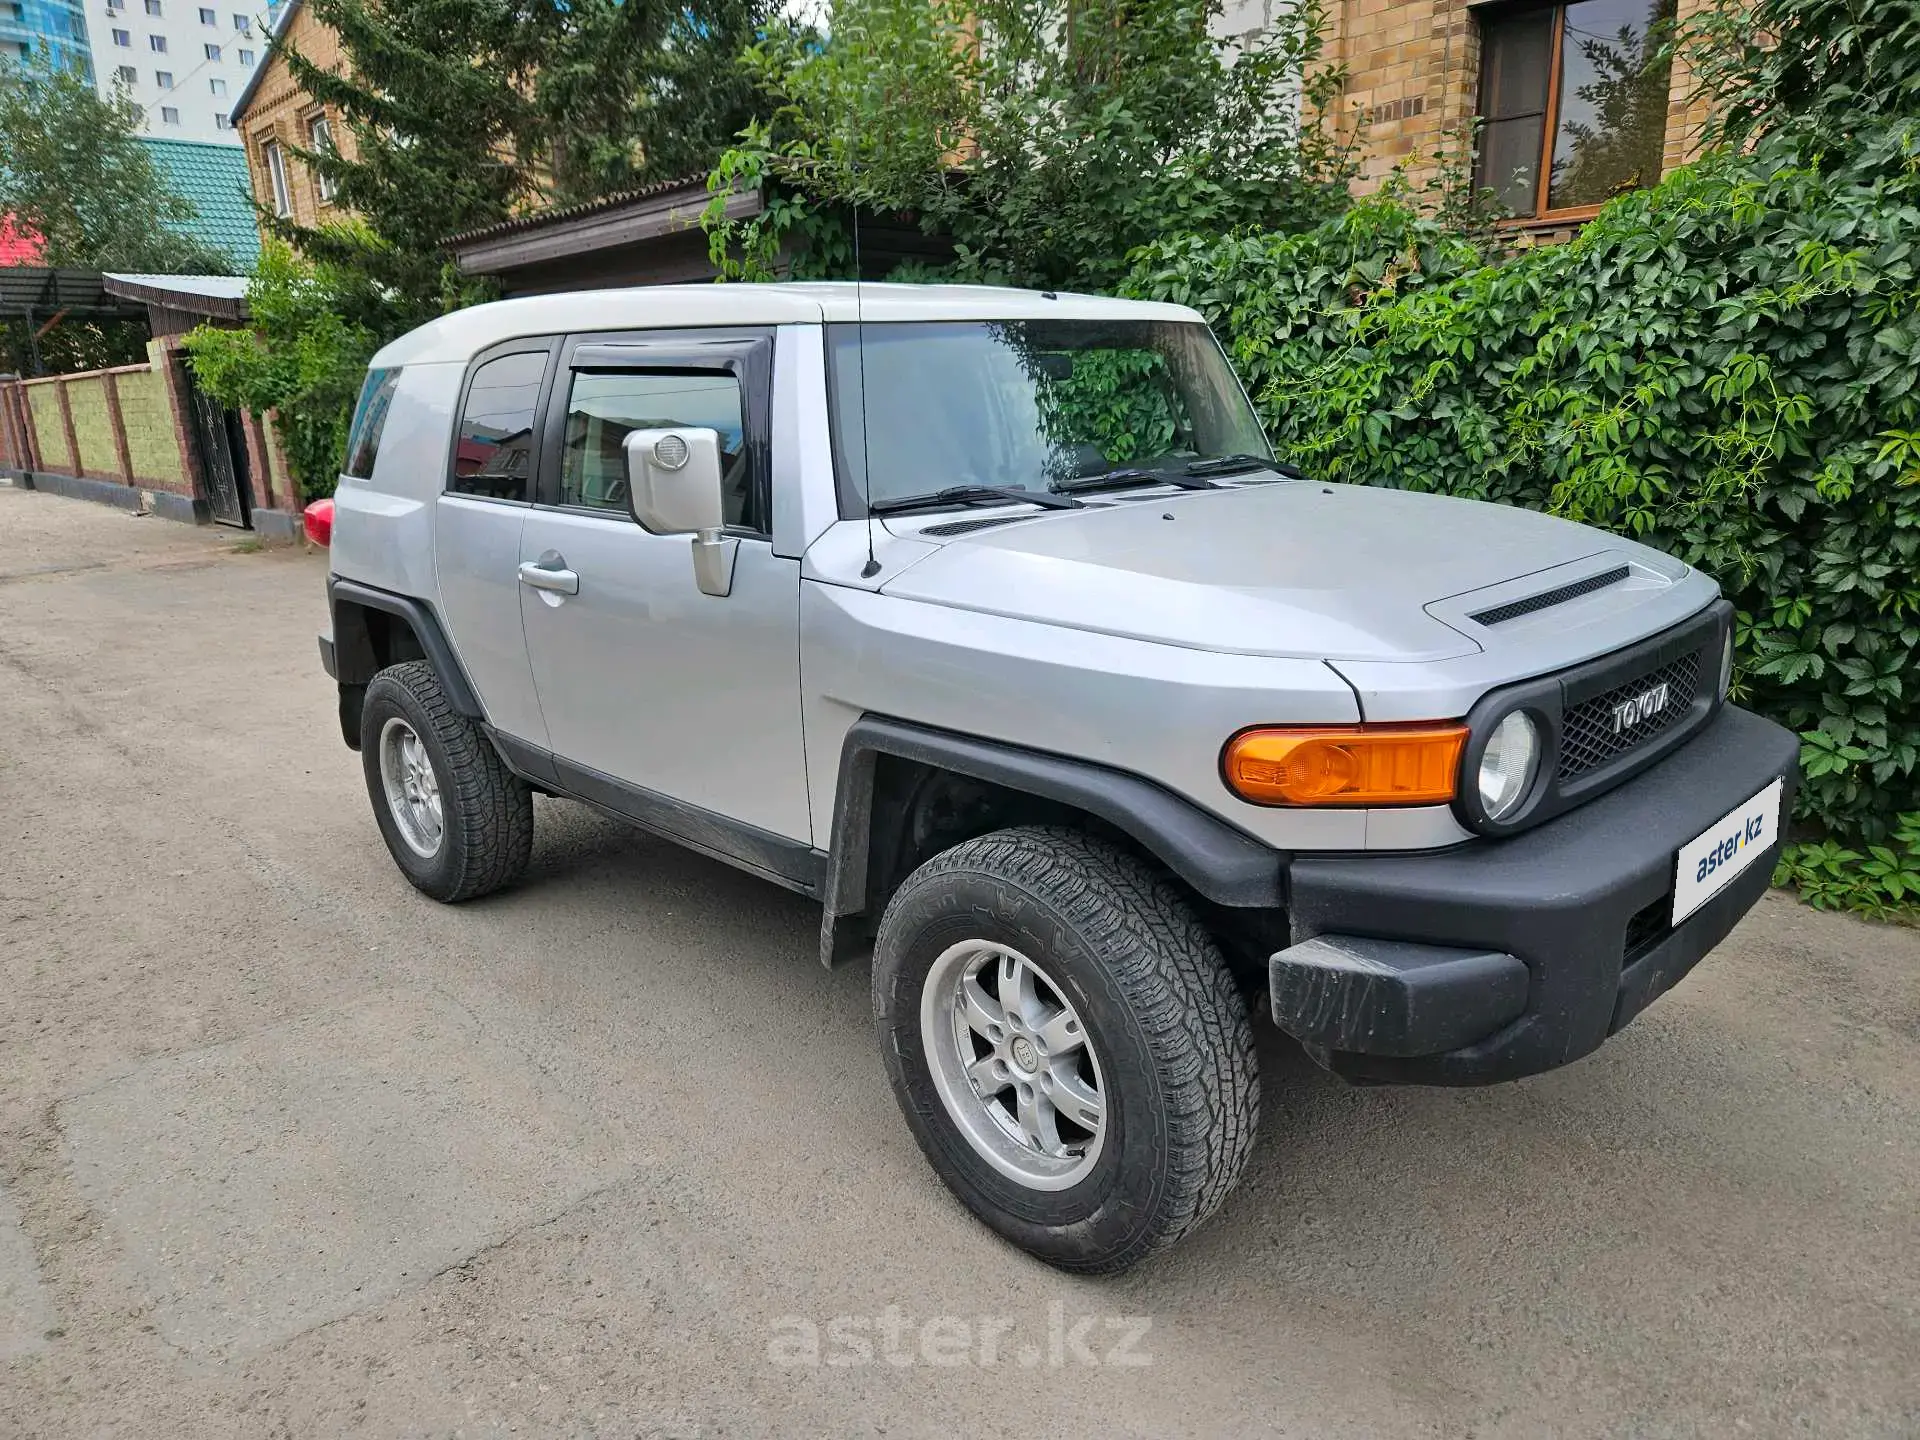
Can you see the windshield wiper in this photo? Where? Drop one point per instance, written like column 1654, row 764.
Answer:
column 1229, row 464
column 974, row 495
column 1135, row 475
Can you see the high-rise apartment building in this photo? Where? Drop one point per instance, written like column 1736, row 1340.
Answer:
column 32, row 29
column 181, row 62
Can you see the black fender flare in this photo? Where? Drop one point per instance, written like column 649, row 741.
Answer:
column 356, row 664
column 1221, row 863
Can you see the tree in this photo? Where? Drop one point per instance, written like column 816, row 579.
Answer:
column 73, row 171
column 465, row 112
column 1825, row 67
column 1046, row 138
column 304, row 357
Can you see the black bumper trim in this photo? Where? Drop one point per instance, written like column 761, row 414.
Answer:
column 1560, row 898
column 1386, row 997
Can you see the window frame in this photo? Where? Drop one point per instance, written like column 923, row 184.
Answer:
column 157, row 44
column 746, row 352
column 320, row 141
column 1550, row 117
column 275, row 160
column 530, row 345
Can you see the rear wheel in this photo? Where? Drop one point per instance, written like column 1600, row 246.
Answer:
column 457, row 822
column 1067, row 1043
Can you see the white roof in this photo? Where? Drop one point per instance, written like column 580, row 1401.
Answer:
column 459, row 336
column 214, row 287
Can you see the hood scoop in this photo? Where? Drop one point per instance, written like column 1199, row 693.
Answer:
column 1547, row 599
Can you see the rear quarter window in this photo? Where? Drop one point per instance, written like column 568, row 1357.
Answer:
column 369, row 421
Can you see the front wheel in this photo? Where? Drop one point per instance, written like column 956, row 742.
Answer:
column 1067, row 1043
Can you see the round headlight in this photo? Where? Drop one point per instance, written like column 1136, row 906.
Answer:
column 1726, row 664
column 1507, row 765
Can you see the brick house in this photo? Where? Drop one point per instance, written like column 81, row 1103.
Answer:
column 1566, row 120
column 274, row 115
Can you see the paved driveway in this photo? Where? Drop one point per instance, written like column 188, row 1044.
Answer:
column 287, row 1149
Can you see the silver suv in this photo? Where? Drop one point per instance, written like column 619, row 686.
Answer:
column 989, row 620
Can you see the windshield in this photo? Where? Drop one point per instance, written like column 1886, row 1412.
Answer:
column 1028, row 403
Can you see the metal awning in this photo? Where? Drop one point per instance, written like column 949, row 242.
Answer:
column 218, row 297
column 37, row 292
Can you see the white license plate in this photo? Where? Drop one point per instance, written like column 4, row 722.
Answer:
column 1724, row 849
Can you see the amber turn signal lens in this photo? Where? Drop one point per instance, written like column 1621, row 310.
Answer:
column 1346, row 765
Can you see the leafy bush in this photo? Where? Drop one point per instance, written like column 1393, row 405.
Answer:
column 305, row 357
column 1044, row 138
column 1725, row 366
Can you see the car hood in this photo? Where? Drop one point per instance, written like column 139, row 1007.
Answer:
column 1285, row 569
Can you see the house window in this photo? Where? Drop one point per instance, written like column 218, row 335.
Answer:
column 123, row 37
column 242, row 25
column 246, row 57
column 163, row 78
column 321, row 142
column 169, row 115
column 157, row 44
column 217, row 86
column 153, row 7
column 1573, row 102
column 207, row 16
column 277, row 178
column 128, row 75
column 213, row 52
column 220, row 121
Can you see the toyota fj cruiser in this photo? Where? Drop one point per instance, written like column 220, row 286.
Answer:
column 989, row 620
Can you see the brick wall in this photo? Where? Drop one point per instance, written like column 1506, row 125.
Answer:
column 279, row 111
column 1687, row 114
column 92, row 425
column 129, row 426
column 1414, row 82
column 149, row 425
column 1413, row 75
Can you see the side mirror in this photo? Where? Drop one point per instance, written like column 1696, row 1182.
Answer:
column 674, row 488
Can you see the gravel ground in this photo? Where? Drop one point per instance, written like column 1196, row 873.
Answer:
column 286, row 1148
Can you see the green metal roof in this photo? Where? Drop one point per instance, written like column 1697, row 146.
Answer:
column 213, row 179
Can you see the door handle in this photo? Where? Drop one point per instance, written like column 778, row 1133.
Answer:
column 549, row 577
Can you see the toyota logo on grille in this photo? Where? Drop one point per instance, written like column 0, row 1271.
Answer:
column 1644, row 706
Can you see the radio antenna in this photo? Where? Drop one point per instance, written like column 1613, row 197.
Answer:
column 872, row 567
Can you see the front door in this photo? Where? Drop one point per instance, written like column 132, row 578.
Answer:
column 642, row 678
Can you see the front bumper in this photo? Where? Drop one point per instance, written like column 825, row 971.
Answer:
column 1503, row 958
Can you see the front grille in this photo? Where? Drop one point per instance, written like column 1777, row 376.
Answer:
column 1546, row 599
column 1589, row 735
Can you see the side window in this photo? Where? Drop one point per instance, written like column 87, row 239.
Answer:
column 369, row 421
column 605, row 406
column 493, row 453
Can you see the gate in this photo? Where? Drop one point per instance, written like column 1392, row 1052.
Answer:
column 223, row 457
